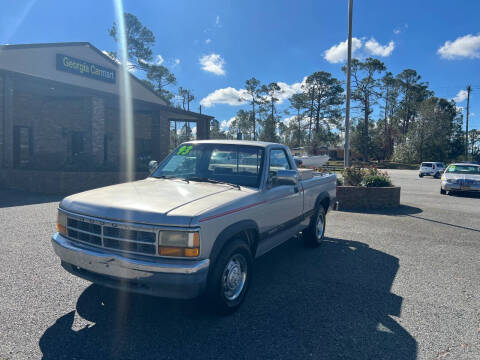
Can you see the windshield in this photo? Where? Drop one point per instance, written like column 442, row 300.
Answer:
column 234, row 164
column 464, row 169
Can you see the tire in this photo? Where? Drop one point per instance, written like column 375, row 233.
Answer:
column 420, row 175
column 443, row 192
column 315, row 233
column 437, row 175
column 230, row 277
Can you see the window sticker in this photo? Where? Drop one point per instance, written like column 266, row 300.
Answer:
column 184, row 150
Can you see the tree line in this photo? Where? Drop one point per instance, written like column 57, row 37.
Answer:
column 395, row 116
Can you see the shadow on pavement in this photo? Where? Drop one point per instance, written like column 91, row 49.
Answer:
column 9, row 198
column 401, row 210
column 333, row 302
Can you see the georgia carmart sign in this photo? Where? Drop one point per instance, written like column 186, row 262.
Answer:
column 85, row 68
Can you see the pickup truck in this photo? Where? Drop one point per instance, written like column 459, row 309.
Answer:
column 193, row 227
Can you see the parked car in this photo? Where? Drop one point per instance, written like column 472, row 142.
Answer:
column 460, row 177
column 195, row 225
column 434, row 169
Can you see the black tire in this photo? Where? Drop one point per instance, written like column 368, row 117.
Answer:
column 236, row 251
column 420, row 175
column 443, row 192
column 311, row 236
column 437, row 175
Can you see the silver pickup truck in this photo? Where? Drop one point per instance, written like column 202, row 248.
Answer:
column 194, row 226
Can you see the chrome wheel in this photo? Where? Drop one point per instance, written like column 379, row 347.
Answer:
column 320, row 226
column 234, row 277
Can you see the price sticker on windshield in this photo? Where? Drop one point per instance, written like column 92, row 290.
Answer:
column 184, row 150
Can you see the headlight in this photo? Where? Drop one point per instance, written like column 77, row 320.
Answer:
column 62, row 223
column 178, row 243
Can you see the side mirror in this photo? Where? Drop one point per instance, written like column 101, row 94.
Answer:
column 298, row 161
column 284, row 177
column 152, row 165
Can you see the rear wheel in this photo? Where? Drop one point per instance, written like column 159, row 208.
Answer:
column 443, row 192
column 314, row 234
column 420, row 175
column 437, row 175
column 229, row 280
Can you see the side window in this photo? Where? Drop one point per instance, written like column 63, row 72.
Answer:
column 278, row 161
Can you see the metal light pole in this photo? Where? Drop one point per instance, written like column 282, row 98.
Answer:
column 346, row 156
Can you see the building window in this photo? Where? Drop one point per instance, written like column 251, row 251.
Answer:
column 77, row 143
column 22, row 145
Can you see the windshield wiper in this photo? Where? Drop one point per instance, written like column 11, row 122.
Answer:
column 213, row 181
column 170, row 177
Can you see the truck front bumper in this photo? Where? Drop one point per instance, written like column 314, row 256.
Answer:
column 166, row 278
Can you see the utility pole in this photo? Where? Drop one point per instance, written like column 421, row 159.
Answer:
column 469, row 89
column 346, row 156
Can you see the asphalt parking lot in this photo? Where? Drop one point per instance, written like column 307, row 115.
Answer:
column 401, row 285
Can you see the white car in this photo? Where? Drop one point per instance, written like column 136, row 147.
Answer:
column 434, row 169
column 461, row 177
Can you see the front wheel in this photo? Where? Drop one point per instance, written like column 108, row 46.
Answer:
column 315, row 232
column 229, row 280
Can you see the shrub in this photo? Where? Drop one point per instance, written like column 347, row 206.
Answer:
column 370, row 177
column 376, row 181
column 353, row 176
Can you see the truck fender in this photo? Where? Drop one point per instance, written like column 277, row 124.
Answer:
column 228, row 233
column 321, row 197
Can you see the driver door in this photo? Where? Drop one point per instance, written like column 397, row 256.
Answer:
column 283, row 207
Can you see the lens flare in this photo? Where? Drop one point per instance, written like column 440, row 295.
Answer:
column 126, row 103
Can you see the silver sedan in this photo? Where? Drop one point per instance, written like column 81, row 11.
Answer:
column 461, row 177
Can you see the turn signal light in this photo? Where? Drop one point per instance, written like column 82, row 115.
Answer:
column 178, row 251
column 61, row 229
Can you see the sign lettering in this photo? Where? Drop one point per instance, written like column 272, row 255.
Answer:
column 85, row 68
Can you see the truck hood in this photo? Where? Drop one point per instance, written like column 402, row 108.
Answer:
column 146, row 201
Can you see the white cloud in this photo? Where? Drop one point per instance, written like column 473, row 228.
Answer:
column 467, row 46
column 224, row 125
column 338, row 53
column 194, row 130
column 229, row 96
column 229, row 122
column 131, row 68
column 461, row 96
column 397, row 31
column 287, row 120
column 217, row 20
column 375, row 48
column 159, row 60
column 208, row 41
column 177, row 61
column 213, row 63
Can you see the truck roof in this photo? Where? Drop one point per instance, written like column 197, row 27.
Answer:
column 234, row 142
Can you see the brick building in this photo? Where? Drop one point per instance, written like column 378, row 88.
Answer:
column 59, row 108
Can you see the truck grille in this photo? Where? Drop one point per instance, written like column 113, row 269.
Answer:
column 111, row 235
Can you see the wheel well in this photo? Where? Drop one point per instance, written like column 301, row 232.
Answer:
column 250, row 236
column 325, row 202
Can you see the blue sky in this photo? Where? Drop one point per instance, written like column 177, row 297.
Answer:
column 214, row 46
